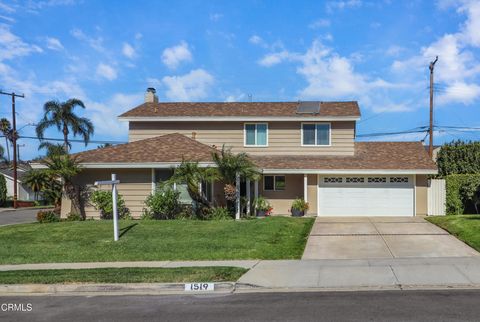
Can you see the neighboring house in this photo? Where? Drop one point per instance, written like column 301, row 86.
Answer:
column 23, row 192
column 303, row 149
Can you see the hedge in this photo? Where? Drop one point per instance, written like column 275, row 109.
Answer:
column 3, row 191
column 457, row 202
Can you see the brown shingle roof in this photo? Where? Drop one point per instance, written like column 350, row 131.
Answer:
column 368, row 156
column 176, row 147
column 166, row 148
column 247, row 109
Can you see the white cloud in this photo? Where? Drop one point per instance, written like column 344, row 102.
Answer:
column 128, row 51
column 95, row 43
column 459, row 92
column 235, row 98
column 320, row 23
column 12, row 46
column 272, row 59
column 394, row 50
column 172, row 57
column 101, row 113
column 331, row 6
column 8, row 19
column 106, row 71
column 457, row 69
column 256, row 39
column 215, row 16
column 6, row 8
column 189, row 87
column 54, row 44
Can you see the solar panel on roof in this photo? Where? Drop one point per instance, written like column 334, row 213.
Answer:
column 308, row 108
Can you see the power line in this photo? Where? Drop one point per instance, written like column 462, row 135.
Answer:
column 70, row 140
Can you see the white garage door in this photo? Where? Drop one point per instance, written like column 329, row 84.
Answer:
column 366, row 195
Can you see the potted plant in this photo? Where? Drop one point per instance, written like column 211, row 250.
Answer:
column 299, row 207
column 262, row 207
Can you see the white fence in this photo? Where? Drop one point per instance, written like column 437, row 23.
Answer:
column 436, row 197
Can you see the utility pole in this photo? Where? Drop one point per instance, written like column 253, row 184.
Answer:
column 14, row 143
column 431, row 67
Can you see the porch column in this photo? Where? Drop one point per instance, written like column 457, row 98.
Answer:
column 153, row 180
column 255, row 189
column 237, row 195
column 248, row 196
column 305, row 187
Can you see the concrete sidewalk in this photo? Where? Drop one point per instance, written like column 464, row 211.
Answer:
column 379, row 273
column 396, row 273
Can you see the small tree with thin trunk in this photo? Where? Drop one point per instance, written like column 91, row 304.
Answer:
column 62, row 116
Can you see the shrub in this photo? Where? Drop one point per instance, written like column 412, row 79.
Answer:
column 219, row 213
column 74, row 216
column 163, row 204
column 102, row 201
column 47, row 216
column 461, row 192
column 3, row 191
column 300, row 204
column 261, row 204
column 459, row 157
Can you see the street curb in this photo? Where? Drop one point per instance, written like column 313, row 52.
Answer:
column 109, row 289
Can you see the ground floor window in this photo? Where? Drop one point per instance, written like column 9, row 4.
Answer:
column 273, row 183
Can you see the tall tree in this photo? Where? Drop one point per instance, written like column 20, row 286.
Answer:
column 37, row 180
column 6, row 130
column 62, row 116
column 52, row 149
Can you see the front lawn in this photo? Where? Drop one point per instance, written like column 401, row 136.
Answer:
column 92, row 241
column 464, row 227
column 123, row 275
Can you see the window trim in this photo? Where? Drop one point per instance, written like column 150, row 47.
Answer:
column 274, row 181
column 245, row 135
column 316, row 145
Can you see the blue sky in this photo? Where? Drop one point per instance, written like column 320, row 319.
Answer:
column 376, row 52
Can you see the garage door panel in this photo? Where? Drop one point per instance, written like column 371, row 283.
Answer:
column 366, row 198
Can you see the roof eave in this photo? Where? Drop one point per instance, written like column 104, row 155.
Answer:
column 351, row 171
column 234, row 118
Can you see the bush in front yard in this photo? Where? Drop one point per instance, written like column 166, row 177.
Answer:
column 3, row 191
column 462, row 193
column 164, row 203
column 219, row 213
column 47, row 216
column 102, row 201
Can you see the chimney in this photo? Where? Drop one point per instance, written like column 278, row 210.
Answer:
column 150, row 96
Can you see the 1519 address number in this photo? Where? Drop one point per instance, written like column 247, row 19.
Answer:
column 199, row 287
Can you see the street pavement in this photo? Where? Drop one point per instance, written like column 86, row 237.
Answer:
column 440, row 305
column 19, row 216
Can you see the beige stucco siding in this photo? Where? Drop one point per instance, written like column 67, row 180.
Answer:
column 421, row 195
column 284, row 138
column 312, row 194
column 281, row 201
column 135, row 185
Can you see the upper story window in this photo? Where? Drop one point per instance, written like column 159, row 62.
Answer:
column 256, row 134
column 316, row 134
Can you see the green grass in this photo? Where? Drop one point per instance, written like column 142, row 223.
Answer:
column 464, row 227
column 124, row 275
column 92, row 241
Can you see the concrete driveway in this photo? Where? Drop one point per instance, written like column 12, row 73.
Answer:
column 381, row 237
column 18, row 216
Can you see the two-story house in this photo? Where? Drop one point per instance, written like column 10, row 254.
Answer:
column 303, row 149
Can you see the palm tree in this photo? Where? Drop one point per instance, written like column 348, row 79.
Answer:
column 37, row 180
column 192, row 175
column 52, row 149
column 63, row 168
column 62, row 116
column 6, row 130
column 229, row 165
